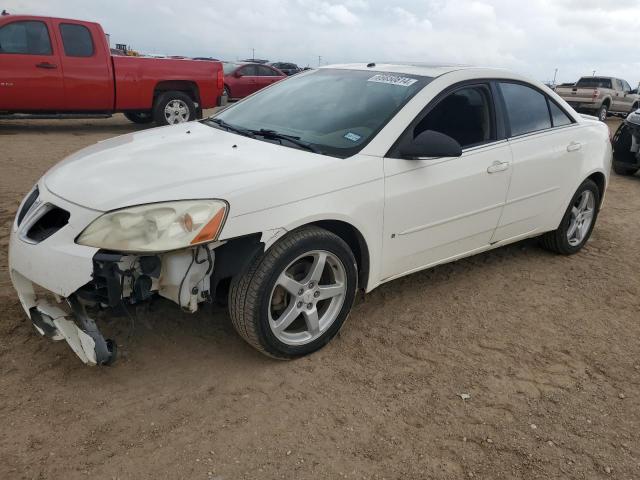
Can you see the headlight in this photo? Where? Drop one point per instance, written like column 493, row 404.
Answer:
column 157, row 227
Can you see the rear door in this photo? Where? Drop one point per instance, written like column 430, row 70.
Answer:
column 30, row 73
column 547, row 152
column 628, row 98
column 267, row 76
column 86, row 65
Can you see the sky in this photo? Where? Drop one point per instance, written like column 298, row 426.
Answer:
column 533, row 37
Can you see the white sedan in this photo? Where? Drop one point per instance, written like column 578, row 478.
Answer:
column 286, row 203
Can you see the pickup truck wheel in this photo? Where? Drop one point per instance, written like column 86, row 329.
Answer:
column 139, row 117
column 603, row 111
column 173, row 107
column 578, row 221
column 294, row 298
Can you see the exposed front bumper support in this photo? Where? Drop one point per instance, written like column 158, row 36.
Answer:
column 86, row 341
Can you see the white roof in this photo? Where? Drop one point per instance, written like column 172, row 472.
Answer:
column 424, row 69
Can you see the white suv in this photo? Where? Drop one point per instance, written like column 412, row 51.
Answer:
column 286, row 203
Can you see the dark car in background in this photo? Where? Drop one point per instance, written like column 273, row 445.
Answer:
column 287, row 68
column 254, row 60
column 243, row 79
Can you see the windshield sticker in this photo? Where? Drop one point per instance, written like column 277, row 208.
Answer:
column 393, row 80
column 354, row 137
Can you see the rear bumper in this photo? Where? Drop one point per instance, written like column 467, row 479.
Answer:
column 586, row 106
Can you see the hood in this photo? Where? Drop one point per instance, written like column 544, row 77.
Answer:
column 180, row 162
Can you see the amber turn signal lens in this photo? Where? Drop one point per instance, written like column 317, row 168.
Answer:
column 210, row 231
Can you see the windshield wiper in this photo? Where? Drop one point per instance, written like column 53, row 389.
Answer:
column 229, row 127
column 267, row 133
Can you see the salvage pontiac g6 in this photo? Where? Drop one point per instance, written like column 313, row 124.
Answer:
column 285, row 204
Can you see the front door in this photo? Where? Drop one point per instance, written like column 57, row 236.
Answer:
column 248, row 83
column 30, row 72
column 438, row 209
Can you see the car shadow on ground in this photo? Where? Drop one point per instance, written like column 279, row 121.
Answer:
column 73, row 127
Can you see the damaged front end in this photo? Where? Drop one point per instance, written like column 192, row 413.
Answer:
column 69, row 262
column 119, row 281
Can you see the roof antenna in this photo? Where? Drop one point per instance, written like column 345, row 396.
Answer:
column 371, row 65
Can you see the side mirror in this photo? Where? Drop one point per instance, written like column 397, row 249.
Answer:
column 633, row 92
column 431, row 144
column 237, row 74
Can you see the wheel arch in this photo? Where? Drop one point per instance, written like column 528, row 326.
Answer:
column 356, row 241
column 601, row 182
column 187, row 86
column 607, row 102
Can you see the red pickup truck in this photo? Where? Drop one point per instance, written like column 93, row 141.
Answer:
column 60, row 68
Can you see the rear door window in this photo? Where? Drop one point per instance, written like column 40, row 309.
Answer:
column 27, row 38
column 527, row 109
column 76, row 40
column 249, row 71
column 264, row 71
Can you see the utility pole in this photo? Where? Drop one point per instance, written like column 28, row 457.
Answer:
column 319, row 60
column 253, row 54
column 555, row 75
column 593, row 74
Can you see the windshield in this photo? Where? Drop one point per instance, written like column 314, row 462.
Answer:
column 228, row 67
column 594, row 82
column 335, row 111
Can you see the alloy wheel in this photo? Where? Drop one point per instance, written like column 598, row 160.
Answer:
column 307, row 297
column 582, row 213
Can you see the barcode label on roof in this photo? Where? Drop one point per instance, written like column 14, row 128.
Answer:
column 393, row 80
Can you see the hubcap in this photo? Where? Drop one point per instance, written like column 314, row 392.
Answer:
column 176, row 111
column 307, row 297
column 581, row 218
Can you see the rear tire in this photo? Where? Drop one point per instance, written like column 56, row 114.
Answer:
column 316, row 305
column 603, row 112
column 171, row 108
column 561, row 240
column 139, row 117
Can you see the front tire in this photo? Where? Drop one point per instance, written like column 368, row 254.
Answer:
column 294, row 298
column 174, row 107
column 577, row 223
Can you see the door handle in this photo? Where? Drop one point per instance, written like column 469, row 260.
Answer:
column 46, row 65
column 574, row 147
column 497, row 166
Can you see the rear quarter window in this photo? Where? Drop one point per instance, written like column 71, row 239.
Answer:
column 76, row 40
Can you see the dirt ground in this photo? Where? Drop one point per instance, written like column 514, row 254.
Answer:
column 547, row 347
